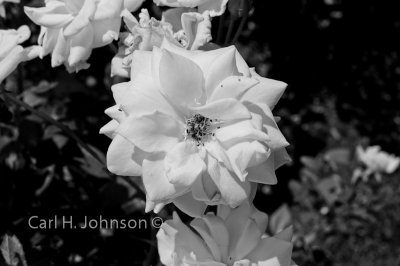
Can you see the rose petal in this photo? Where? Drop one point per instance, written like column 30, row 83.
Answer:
column 109, row 129
column 232, row 87
column 181, row 79
column 201, row 227
column 183, row 164
column 204, row 189
column 132, row 5
column 248, row 154
column 232, row 190
column 276, row 138
column 119, row 158
column 238, row 132
column 272, row 249
column 263, row 173
column 60, row 51
column 153, row 132
column 267, row 91
column 51, row 16
column 225, row 109
column 176, row 241
column 197, row 28
column 81, row 46
column 155, row 181
column 82, row 20
column 223, row 66
column 189, row 205
column 106, row 31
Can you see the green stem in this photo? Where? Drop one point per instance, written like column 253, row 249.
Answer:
column 240, row 28
column 50, row 120
column 230, row 30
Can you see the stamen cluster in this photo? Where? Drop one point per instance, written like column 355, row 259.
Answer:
column 198, row 128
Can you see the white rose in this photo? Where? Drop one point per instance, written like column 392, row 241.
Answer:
column 197, row 126
column 71, row 29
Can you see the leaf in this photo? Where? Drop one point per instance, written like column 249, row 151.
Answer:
column 310, row 163
column 280, row 219
column 338, row 156
column 12, row 252
column 92, row 166
column 330, row 188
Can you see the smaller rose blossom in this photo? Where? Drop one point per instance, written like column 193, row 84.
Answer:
column 232, row 237
column 71, row 29
column 11, row 53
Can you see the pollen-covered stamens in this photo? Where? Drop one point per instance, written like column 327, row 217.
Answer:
column 199, row 128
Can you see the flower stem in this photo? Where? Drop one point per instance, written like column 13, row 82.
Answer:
column 49, row 119
column 230, row 30
column 240, row 28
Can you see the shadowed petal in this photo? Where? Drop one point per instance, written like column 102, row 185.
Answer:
column 267, row 91
column 155, row 181
column 183, row 164
column 153, row 132
column 272, row 251
column 232, row 190
column 189, row 205
column 81, row 46
column 177, row 242
column 119, row 158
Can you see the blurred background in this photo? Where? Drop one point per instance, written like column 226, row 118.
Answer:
column 341, row 60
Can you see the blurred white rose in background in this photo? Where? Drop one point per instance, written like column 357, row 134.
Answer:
column 376, row 162
column 11, row 53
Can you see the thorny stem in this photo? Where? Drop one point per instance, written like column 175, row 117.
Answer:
column 50, row 120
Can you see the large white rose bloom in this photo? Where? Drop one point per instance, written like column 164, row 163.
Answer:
column 232, row 237
column 71, row 29
column 197, row 126
column 11, row 53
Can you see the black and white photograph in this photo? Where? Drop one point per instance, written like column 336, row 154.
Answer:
column 199, row 133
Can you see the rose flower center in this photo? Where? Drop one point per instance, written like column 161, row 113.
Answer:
column 199, row 128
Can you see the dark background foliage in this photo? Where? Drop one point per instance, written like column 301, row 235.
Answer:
column 340, row 59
